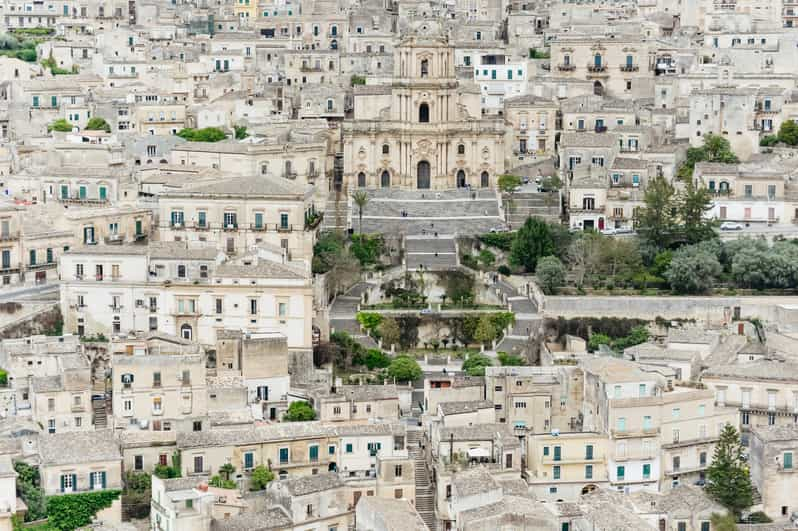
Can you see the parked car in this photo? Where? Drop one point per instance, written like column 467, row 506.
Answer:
column 426, row 311
column 499, row 229
column 609, row 231
column 730, row 225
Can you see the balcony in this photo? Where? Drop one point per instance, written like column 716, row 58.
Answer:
column 43, row 266
column 689, row 442
column 115, row 309
column 685, row 470
column 114, row 239
column 566, row 68
column 230, row 226
column 629, row 68
column 284, row 228
column 256, row 227
column 290, row 175
column 9, row 236
column 644, row 432
column 82, row 201
column 201, row 226
column 761, row 109
column 596, row 69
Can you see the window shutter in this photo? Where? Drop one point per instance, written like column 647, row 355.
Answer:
column 62, row 483
column 74, row 482
column 102, row 475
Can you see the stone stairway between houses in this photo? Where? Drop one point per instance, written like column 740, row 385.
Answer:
column 100, row 414
column 425, row 498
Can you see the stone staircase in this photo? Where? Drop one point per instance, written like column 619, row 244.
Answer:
column 432, row 252
column 336, row 213
column 456, row 212
column 425, row 498
column 522, row 205
column 100, row 414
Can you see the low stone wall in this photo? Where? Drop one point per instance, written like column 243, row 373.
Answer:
column 711, row 309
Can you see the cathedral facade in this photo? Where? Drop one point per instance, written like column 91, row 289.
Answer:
column 425, row 130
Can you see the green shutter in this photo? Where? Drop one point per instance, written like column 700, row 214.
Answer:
column 62, row 483
column 103, row 479
column 787, row 460
column 74, row 482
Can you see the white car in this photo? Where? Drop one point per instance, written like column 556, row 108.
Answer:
column 730, row 225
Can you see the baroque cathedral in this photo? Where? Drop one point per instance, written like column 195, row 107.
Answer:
column 425, row 130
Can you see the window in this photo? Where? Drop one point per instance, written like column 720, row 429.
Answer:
column 621, row 424
column 253, row 306
column 545, row 451
column 138, row 462
column 249, row 461
column 349, row 448
column 589, row 451
column 704, row 526
column 283, row 220
column 397, row 471
column 461, row 149
column 181, row 271
column 157, row 404
column 51, row 426
column 588, row 471
column 675, row 412
column 198, row 464
column 313, row 453
column 642, row 390
column 557, row 453
column 97, row 480
column 156, row 379
column 617, row 391
column 787, row 462
column 397, row 493
column 68, row 482
column 556, row 472
column 197, row 425
column 283, row 455
column 702, row 458
column 681, row 526
column 646, row 471
column 620, row 473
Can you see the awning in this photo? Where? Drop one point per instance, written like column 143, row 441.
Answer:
column 478, row 452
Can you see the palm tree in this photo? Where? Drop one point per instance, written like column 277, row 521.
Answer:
column 361, row 200
column 226, row 471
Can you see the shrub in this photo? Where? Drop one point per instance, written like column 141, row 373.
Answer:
column 596, row 340
column 511, row 360
column 769, row 140
column 261, row 476
column 505, row 270
column 208, row 134
column 376, row 359
column 71, row 511
column 404, row 369
column 475, row 364
column 3, row 377
column 369, row 320
column 240, row 132
column 358, row 80
column 366, row 249
column 60, row 125
column 298, row 412
column 98, row 124
column 487, row 257
column 500, row 240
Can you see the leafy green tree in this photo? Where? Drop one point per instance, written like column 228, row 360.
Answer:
column 377, row 359
column 60, row 125
column 637, row 335
column 29, row 488
column 693, row 204
column 98, row 124
column 404, row 369
column 510, row 360
column 715, row 149
column 485, row 331
column 693, row 271
column 532, row 242
column 550, row 273
column 728, row 479
column 596, row 340
column 507, row 183
column 769, row 140
column 240, row 132
column 369, row 320
column 486, row 257
column 260, row 478
column 475, row 364
column 366, row 249
column 220, row 483
column 788, row 132
column 299, row 412
column 656, row 220
column 208, row 134
column 361, row 199
column 389, row 332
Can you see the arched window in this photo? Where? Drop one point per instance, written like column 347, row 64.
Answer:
column 423, row 113
column 461, row 149
column 424, row 68
column 386, row 149
column 385, row 179
column 333, row 44
column 361, row 180
column 484, row 180
column 186, row 332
